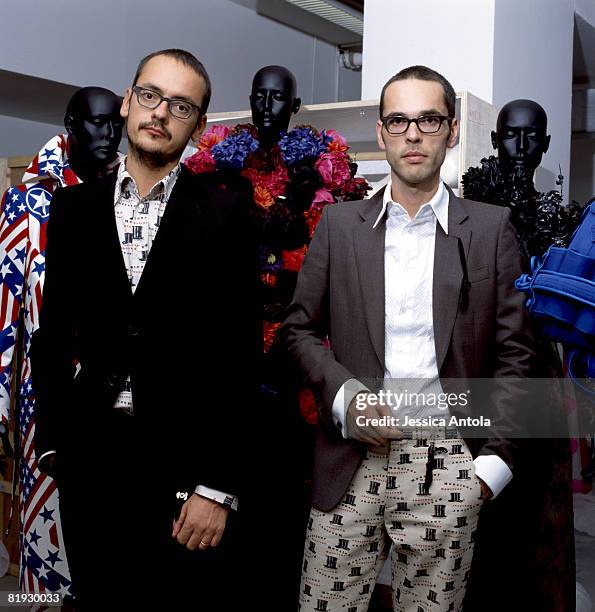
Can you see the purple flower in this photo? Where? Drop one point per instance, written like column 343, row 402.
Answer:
column 233, row 151
column 270, row 261
column 300, row 143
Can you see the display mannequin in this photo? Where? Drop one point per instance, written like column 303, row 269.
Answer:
column 521, row 139
column 294, row 174
column 273, row 100
column 88, row 149
column 535, row 510
column 521, row 136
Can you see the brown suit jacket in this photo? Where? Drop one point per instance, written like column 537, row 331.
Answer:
column 480, row 325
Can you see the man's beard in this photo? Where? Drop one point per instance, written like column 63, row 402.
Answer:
column 154, row 159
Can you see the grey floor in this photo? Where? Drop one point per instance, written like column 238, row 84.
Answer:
column 11, row 583
column 584, row 539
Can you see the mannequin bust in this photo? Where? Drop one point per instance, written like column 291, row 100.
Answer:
column 94, row 127
column 88, row 150
column 273, row 100
column 521, row 139
column 520, row 136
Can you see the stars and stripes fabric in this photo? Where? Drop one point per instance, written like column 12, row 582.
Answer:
column 24, row 213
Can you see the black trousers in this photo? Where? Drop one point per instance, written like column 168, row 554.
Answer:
column 117, row 515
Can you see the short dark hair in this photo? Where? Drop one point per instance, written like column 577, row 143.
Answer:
column 423, row 73
column 186, row 58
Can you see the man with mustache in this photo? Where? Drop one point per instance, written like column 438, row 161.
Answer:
column 148, row 449
column 415, row 290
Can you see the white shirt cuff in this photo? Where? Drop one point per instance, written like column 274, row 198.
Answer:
column 348, row 390
column 493, row 471
column 231, row 501
column 44, row 454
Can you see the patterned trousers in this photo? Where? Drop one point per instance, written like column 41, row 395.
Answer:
column 429, row 514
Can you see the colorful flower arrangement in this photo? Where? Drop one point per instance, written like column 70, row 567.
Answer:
column 293, row 181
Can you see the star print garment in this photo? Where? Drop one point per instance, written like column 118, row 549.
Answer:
column 24, row 213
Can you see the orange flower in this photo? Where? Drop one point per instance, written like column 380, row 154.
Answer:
column 337, row 142
column 270, row 334
column 212, row 136
column 263, row 197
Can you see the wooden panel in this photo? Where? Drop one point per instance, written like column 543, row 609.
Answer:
column 4, row 174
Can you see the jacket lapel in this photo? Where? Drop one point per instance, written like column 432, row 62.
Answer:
column 369, row 252
column 106, row 228
column 183, row 193
column 448, row 274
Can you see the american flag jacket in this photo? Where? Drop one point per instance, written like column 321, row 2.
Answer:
column 24, row 213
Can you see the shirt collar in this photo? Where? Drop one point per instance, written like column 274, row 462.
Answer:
column 438, row 204
column 164, row 186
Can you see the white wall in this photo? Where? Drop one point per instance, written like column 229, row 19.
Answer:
column 21, row 137
column 499, row 50
column 100, row 43
column 533, row 42
column 455, row 38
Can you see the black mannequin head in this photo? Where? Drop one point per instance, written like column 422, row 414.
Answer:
column 94, row 127
column 520, row 136
column 272, row 101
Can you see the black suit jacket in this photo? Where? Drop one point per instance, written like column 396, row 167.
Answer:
column 189, row 337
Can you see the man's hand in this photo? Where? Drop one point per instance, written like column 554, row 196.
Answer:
column 201, row 523
column 486, row 492
column 360, row 425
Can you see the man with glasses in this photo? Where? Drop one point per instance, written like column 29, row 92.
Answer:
column 139, row 341
column 415, row 290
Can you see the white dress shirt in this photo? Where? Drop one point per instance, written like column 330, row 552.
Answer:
column 410, row 350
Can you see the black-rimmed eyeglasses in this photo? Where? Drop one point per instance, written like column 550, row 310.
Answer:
column 427, row 124
column 182, row 109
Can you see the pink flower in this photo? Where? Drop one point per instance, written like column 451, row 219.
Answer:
column 338, row 142
column 212, row 136
column 201, row 161
column 321, row 198
column 334, row 169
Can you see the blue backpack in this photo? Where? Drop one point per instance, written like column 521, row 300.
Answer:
column 561, row 290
